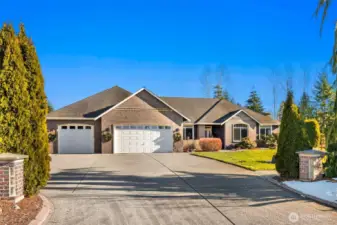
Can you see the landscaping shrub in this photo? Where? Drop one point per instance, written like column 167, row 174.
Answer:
column 330, row 165
column 292, row 138
column 190, row 146
column 246, row 143
column 268, row 141
column 210, row 144
column 176, row 137
column 313, row 131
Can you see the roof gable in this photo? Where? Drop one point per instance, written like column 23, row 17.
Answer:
column 92, row 106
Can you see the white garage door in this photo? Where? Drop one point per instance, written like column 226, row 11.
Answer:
column 142, row 139
column 75, row 139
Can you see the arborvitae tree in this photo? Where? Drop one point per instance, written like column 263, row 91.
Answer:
column 218, row 91
column 15, row 129
column 324, row 101
column 254, row 102
column 292, row 138
column 305, row 107
column 39, row 108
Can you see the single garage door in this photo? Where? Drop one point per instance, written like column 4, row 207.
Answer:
column 75, row 139
column 142, row 139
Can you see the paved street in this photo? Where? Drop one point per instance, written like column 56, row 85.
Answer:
column 170, row 189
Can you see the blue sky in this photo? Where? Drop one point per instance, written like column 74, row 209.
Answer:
column 88, row 46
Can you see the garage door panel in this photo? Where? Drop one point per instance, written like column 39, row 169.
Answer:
column 79, row 140
column 142, row 139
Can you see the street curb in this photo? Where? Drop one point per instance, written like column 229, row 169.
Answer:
column 311, row 197
column 45, row 212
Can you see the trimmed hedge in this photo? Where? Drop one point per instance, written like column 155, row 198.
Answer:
column 331, row 164
column 313, row 131
column 210, row 144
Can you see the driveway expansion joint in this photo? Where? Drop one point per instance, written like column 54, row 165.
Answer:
column 196, row 191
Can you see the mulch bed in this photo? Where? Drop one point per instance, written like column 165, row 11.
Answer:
column 29, row 208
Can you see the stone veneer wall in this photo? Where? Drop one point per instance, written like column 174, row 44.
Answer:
column 9, row 169
column 317, row 167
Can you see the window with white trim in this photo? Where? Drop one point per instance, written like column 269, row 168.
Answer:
column 265, row 131
column 208, row 131
column 240, row 131
column 188, row 133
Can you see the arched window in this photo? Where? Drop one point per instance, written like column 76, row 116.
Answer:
column 240, row 131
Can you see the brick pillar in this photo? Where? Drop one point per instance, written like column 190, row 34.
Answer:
column 11, row 177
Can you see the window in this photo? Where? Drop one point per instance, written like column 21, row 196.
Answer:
column 125, row 127
column 240, row 131
column 88, row 127
column 64, row 127
column 80, row 127
column 188, row 133
column 161, row 127
column 72, row 127
column 167, row 128
column 265, row 131
column 133, row 127
column 208, row 132
column 118, row 127
column 147, row 127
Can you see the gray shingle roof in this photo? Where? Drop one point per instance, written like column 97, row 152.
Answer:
column 93, row 106
column 198, row 110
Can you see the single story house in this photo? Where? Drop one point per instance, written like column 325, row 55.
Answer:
column 117, row 121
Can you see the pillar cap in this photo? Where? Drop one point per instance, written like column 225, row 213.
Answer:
column 12, row 157
column 312, row 152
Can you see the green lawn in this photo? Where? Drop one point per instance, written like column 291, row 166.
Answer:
column 250, row 159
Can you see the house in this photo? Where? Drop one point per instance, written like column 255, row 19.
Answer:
column 117, row 121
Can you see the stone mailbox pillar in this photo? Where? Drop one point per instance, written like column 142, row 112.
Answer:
column 311, row 167
column 11, row 176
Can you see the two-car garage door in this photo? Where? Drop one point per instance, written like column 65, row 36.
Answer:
column 142, row 139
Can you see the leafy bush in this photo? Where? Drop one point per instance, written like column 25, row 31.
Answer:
column 331, row 163
column 246, row 143
column 268, row 141
column 190, row 146
column 210, row 144
column 313, row 131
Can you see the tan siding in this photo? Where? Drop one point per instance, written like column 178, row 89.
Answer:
column 276, row 129
column 53, row 124
column 201, row 131
column 140, row 110
column 241, row 118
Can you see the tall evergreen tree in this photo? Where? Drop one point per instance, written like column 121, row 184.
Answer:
column 254, row 102
column 218, row 91
column 280, row 111
column 292, row 138
column 15, row 128
column 50, row 107
column 324, row 101
column 305, row 107
column 39, row 109
column 226, row 96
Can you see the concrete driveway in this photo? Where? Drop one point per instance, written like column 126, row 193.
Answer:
column 170, row 189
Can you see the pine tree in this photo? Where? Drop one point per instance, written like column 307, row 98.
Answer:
column 292, row 138
column 39, row 109
column 15, row 127
column 50, row 107
column 324, row 101
column 226, row 96
column 218, row 91
column 254, row 102
column 305, row 107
